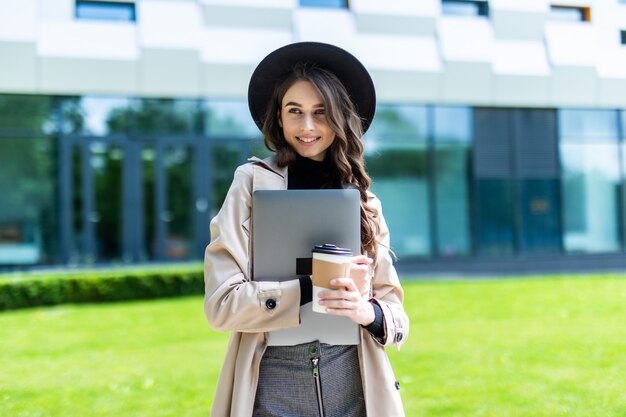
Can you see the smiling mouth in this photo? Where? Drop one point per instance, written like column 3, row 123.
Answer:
column 308, row 140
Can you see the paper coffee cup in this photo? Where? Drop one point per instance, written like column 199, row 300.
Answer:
column 329, row 262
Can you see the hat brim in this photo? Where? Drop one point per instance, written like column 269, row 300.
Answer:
column 276, row 66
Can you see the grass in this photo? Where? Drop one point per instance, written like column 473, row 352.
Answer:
column 513, row 347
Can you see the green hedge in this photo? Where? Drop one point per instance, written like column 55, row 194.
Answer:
column 93, row 287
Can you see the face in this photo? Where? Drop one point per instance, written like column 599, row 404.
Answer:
column 304, row 123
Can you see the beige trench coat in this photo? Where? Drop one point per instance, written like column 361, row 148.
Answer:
column 235, row 303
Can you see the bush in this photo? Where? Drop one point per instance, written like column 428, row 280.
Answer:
column 93, row 287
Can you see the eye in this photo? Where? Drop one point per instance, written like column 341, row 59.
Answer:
column 294, row 110
column 320, row 111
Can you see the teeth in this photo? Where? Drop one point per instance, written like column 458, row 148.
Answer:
column 307, row 140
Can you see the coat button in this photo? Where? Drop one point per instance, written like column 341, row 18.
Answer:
column 270, row 304
column 399, row 337
column 398, row 385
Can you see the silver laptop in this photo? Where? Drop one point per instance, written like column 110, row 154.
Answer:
column 286, row 225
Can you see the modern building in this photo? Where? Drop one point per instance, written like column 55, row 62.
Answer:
column 499, row 142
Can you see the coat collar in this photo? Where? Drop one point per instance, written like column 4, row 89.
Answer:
column 269, row 163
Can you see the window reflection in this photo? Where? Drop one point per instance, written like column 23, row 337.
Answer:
column 28, row 211
column 590, row 180
column 166, row 116
column 494, row 216
column 453, row 134
column 225, row 159
column 179, row 215
column 396, row 152
column 229, row 119
column 23, row 112
column 97, row 116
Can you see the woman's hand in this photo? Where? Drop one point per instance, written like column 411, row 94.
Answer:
column 361, row 274
column 347, row 301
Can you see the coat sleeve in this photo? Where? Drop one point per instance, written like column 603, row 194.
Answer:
column 232, row 301
column 386, row 289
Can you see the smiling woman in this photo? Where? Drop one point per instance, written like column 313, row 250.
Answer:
column 312, row 101
column 303, row 119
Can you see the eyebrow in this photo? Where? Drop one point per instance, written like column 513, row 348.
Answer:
column 293, row 103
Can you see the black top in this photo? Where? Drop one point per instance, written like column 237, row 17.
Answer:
column 307, row 174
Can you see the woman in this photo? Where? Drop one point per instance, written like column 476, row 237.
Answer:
column 312, row 102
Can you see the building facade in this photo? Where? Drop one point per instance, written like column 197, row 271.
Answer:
column 499, row 142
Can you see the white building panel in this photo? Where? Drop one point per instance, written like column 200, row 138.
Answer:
column 168, row 24
column 63, row 10
column 240, row 46
column 518, row 19
column 404, row 68
column 407, row 17
column 608, row 23
column 467, row 83
column 18, row 73
column 18, row 20
column 87, row 76
column 80, row 57
column 466, row 39
column 467, row 46
column 572, row 51
column 169, row 73
column 611, row 90
column 406, row 86
column 325, row 25
column 248, row 14
column 228, row 57
column 573, row 86
column 169, row 64
column 266, row 4
column 88, row 40
column 521, row 90
column 17, row 45
column 522, row 74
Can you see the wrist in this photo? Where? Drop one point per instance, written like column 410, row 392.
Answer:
column 369, row 315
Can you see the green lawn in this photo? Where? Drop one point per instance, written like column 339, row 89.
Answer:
column 502, row 348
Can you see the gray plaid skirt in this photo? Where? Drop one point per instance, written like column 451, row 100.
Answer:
column 310, row 380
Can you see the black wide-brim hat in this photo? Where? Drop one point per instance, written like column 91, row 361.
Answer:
column 275, row 67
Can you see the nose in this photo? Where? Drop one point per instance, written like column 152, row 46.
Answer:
column 308, row 122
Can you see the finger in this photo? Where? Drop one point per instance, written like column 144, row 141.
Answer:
column 340, row 312
column 340, row 304
column 361, row 259
column 360, row 268
column 339, row 295
column 347, row 283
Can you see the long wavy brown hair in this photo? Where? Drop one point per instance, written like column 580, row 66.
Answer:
column 346, row 151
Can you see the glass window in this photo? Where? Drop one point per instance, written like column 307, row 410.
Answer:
column 465, row 7
column 396, row 154
column 587, row 126
column 540, row 228
column 32, row 113
column 337, row 4
column 229, row 119
column 570, row 13
column 178, row 167
column 590, row 179
column 452, row 134
column 494, row 216
column 165, row 116
column 96, row 116
column 28, row 213
column 225, row 157
column 103, row 10
column 106, row 163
